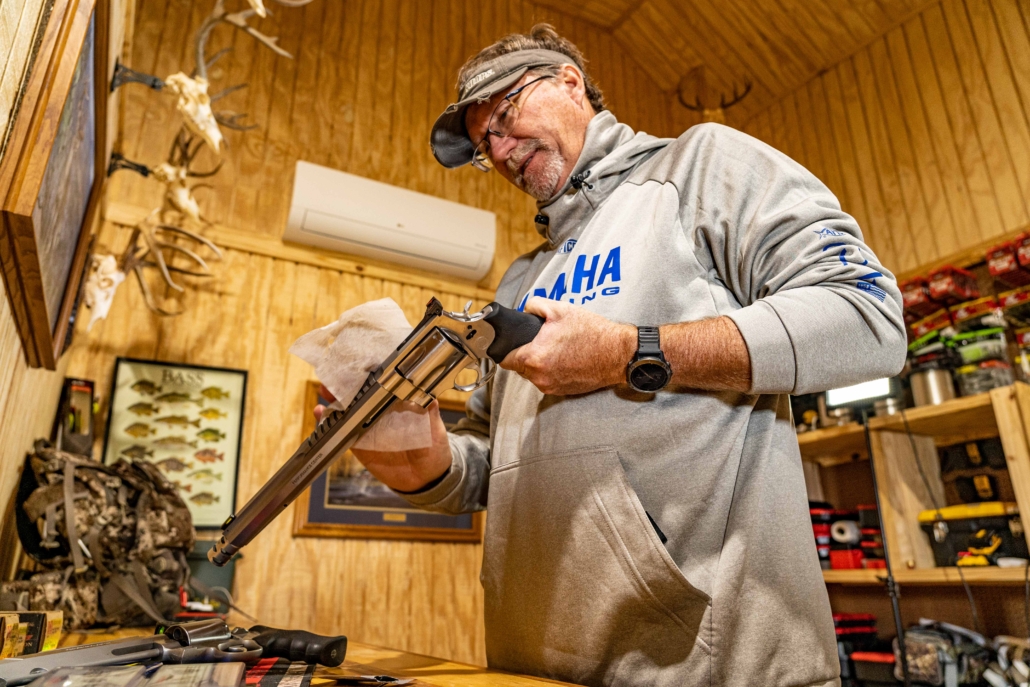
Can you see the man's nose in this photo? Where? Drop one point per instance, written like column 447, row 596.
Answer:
column 500, row 148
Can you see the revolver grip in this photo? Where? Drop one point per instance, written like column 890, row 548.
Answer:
column 297, row 645
column 511, row 330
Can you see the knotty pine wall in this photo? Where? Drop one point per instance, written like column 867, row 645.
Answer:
column 369, row 78
column 18, row 22
column 924, row 135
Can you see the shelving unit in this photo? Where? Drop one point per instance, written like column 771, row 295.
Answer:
column 1003, row 413
column 928, row 576
column 834, row 445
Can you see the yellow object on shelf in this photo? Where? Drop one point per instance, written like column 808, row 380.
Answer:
column 989, row 509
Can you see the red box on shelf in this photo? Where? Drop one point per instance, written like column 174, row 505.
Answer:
column 1004, row 265
column 848, row 559
column 951, row 285
column 915, row 296
column 1022, row 245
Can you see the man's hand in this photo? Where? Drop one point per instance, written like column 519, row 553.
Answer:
column 405, row 470
column 576, row 351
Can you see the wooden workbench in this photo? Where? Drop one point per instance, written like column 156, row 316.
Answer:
column 366, row 659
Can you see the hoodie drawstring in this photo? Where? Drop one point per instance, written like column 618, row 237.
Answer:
column 578, row 181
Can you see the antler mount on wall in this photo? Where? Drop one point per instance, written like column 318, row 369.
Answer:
column 166, row 241
column 695, row 82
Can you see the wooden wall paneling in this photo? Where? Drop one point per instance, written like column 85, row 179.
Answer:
column 723, row 25
column 1011, row 18
column 279, row 153
column 850, row 191
column 777, row 127
column 801, row 117
column 884, row 171
column 982, row 105
column 878, row 230
column 792, row 131
column 669, row 56
column 820, row 128
column 728, row 59
column 997, row 84
column 342, row 61
column 956, row 190
column 923, row 235
column 19, row 24
column 964, row 129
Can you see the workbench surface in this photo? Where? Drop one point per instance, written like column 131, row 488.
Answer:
column 366, row 659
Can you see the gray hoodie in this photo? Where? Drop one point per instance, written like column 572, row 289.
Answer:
column 578, row 583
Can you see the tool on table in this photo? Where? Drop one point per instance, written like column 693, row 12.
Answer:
column 426, row 363
column 201, row 641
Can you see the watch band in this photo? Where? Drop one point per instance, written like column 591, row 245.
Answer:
column 648, row 343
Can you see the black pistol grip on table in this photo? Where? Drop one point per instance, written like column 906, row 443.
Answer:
column 297, row 645
column 511, row 330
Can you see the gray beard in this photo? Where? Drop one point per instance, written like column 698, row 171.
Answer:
column 543, row 184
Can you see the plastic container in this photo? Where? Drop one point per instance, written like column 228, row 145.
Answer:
column 1004, row 266
column 951, row 285
column 846, row 559
column 874, row 667
column 1015, row 306
column 1022, row 361
column 951, row 528
column 981, row 377
column 915, row 297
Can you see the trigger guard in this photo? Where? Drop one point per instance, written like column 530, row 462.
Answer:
column 482, row 379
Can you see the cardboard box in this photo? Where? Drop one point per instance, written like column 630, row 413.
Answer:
column 44, row 630
column 52, row 633
column 8, row 625
column 21, row 631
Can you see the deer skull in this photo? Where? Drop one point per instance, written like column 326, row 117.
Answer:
column 195, row 106
column 178, row 194
column 103, row 280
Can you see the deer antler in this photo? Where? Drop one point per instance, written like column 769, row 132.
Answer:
column 736, row 98
column 147, row 249
column 237, row 19
column 708, row 114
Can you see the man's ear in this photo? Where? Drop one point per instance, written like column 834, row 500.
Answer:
column 570, row 78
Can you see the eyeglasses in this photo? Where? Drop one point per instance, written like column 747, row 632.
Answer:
column 501, row 124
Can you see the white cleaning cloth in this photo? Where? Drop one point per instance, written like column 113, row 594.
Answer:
column 345, row 351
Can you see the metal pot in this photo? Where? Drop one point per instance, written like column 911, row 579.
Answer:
column 931, row 387
column 888, row 406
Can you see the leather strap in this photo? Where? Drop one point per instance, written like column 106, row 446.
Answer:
column 648, row 343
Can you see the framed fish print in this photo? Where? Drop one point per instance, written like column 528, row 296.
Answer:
column 346, row 501
column 188, row 421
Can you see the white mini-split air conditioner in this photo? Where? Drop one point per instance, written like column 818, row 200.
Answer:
column 351, row 214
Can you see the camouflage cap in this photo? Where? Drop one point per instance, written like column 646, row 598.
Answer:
column 449, row 139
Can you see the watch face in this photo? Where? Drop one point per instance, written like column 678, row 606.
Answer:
column 649, row 375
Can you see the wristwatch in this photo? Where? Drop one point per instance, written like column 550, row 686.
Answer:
column 648, row 371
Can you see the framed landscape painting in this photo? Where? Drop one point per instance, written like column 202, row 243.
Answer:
column 188, row 421
column 52, row 175
column 347, row 501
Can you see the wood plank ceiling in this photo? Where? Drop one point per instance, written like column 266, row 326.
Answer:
column 778, row 45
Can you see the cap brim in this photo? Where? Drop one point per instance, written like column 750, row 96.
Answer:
column 449, row 139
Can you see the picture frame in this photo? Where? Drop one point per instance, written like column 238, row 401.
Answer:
column 360, row 507
column 187, row 420
column 53, row 173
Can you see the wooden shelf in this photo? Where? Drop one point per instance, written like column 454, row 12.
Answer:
column 833, row 445
column 951, row 422
column 986, row 575
column 854, row 576
column 928, row 576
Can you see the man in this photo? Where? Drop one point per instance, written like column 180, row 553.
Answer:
column 647, row 519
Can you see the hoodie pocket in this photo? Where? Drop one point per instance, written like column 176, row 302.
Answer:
column 577, row 582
